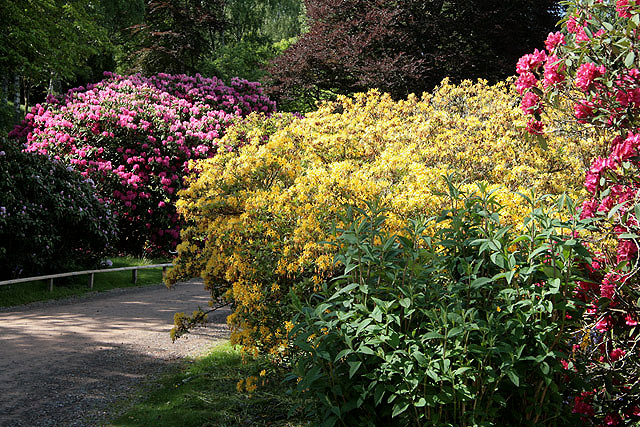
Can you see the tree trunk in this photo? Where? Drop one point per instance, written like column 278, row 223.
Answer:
column 5, row 88
column 50, row 88
column 16, row 96
column 25, row 86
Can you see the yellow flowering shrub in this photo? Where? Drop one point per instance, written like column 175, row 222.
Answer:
column 257, row 217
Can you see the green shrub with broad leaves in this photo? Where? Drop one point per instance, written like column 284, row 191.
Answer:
column 50, row 217
column 468, row 327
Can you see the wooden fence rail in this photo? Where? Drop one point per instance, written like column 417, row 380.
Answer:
column 90, row 273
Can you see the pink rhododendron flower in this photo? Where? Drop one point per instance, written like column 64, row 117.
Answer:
column 525, row 81
column 630, row 321
column 583, row 110
column 552, row 71
column 604, row 324
column 531, row 61
column 626, row 250
column 554, row 40
column 573, row 26
column 592, row 179
column 530, row 103
column 625, row 149
column 587, row 73
column 134, row 136
column 608, row 285
column 623, row 8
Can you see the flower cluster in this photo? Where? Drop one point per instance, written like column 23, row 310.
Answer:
column 258, row 215
column 598, row 83
column 134, row 136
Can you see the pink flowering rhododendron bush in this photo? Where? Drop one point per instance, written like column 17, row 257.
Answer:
column 593, row 68
column 134, row 137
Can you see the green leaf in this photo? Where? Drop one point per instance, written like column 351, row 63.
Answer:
column 455, row 332
column 542, row 141
column 353, row 368
column 628, row 60
column 628, row 236
column 544, row 367
column 398, row 409
column 378, row 394
column 480, row 282
column 365, row 350
column 432, row 335
column 514, row 378
column 342, row 354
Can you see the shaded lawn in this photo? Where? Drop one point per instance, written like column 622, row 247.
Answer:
column 23, row 293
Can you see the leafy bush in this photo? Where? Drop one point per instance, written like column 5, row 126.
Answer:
column 134, row 136
column 470, row 326
column 591, row 69
column 257, row 215
column 50, row 217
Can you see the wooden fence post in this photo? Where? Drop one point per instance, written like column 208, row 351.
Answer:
column 134, row 276
column 50, row 285
column 91, row 281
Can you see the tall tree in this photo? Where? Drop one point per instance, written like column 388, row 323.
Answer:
column 255, row 32
column 45, row 40
column 407, row 46
column 176, row 34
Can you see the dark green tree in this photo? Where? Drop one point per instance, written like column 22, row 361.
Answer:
column 175, row 35
column 407, row 46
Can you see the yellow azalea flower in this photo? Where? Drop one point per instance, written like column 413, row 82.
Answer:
column 256, row 216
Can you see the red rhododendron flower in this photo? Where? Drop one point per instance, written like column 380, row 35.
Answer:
column 612, row 419
column 581, row 405
column 616, row 354
column 535, row 127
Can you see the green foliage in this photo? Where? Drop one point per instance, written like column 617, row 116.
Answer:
column 45, row 37
column 255, row 32
column 245, row 58
column 50, row 217
column 466, row 328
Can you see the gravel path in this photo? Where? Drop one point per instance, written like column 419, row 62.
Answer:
column 64, row 363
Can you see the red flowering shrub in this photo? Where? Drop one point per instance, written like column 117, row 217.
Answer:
column 134, row 137
column 592, row 67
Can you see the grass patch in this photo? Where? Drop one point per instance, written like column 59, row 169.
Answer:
column 204, row 393
column 23, row 293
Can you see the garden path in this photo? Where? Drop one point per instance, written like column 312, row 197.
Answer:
column 67, row 362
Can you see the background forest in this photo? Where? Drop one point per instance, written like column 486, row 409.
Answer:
column 301, row 51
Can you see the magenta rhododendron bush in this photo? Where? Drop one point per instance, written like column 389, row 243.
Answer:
column 592, row 68
column 134, row 136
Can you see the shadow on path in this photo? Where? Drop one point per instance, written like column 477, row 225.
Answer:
column 64, row 364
